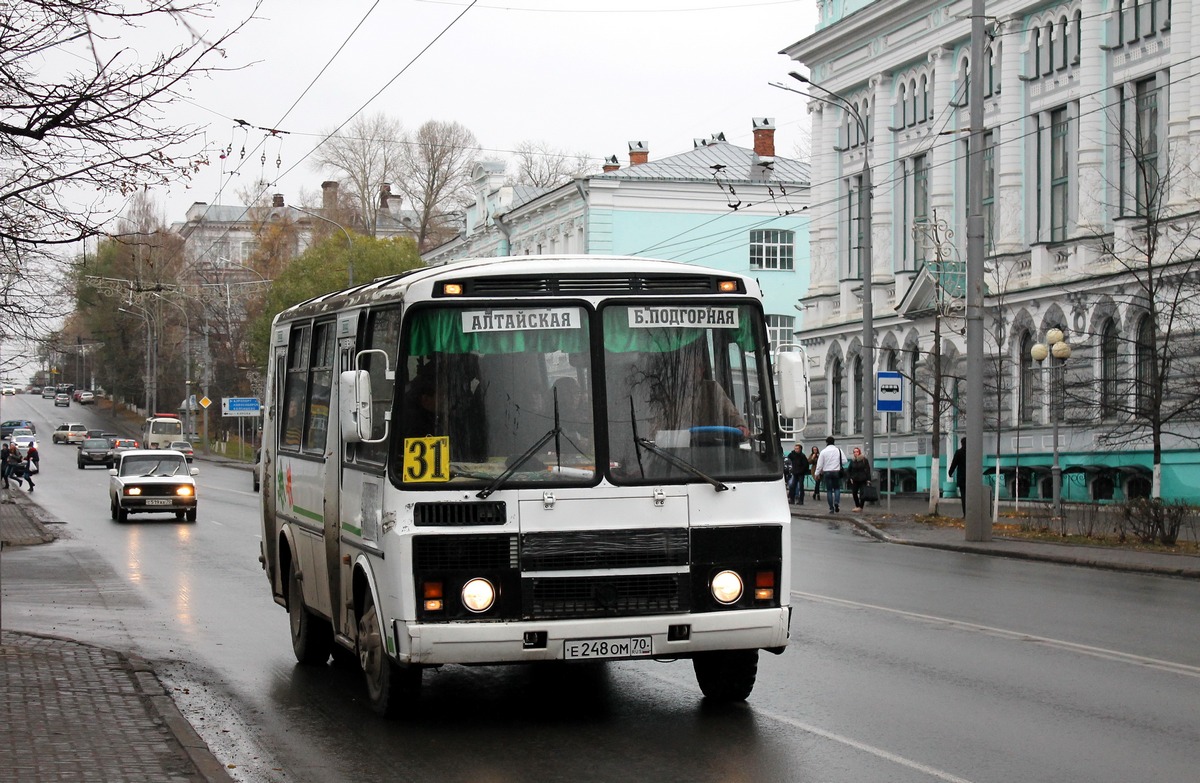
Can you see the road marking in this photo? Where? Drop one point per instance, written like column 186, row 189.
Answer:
column 1020, row 636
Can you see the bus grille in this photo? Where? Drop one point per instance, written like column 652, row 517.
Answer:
column 604, row 549
column 452, row 553
column 609, row 596
column 458, row 514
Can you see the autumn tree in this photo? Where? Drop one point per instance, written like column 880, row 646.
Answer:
column 543, row 166
column 435, row 174
column 365, row 157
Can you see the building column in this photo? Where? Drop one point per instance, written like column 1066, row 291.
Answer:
column 1014, row 170
column 1094, row 188
column 823, row 233
column 943, row 164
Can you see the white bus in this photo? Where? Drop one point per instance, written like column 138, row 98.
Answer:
column 513, row 460
column 160, row 430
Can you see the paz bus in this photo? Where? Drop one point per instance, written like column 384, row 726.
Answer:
column 513, row 460
column 160, row 430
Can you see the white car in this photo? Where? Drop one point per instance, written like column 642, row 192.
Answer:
column 7, row 390
column 69, row 433
column 152, row 481
column 23, row 442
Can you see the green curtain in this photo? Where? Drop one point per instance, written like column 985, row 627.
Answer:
column 440, row 331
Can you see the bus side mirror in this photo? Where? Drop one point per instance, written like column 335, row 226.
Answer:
column 793, row 385
column 354, row 405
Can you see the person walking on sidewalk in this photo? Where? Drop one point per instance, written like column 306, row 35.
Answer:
column 813, row 456
column 16, row 466
column 859, row 476
column 955, row 471
column 830, row 467
column 33, row 464
column 798, row 467
column 4, row 463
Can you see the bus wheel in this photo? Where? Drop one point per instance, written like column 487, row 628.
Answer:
column 726, row 675
column 311, row 635
column 389, row 685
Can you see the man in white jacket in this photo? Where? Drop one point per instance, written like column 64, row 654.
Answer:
column 829, row 471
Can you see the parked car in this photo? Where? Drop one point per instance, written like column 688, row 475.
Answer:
column 184, row 447
column 96, row 451
column 152, row 481
column 7, row 427
column 87, row 398
column 62, row 399
column 69, row 433
column 48, row 392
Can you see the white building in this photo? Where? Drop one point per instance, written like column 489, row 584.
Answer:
column 1092, row 122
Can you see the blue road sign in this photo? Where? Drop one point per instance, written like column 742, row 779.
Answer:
column 889, row 392
column 240, row 406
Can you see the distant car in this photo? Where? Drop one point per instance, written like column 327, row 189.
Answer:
column 95, row 433
column 21, row 431
column 87, row 398
column 69, row 433
column 7, row 427
column 7, row 390
column 22, row 443
column 48, row 392
column 75, row 395
column 125, row 443
column 182, row 446
column 148, row 481
column 96, row 451
column 62, row 399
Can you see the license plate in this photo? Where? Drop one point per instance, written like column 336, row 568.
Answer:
column 620, row 647
column 158, row 501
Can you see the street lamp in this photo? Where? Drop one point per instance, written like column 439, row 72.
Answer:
column 866, row 267
column 349, row 241
column 187, row 361
column 1058, row 350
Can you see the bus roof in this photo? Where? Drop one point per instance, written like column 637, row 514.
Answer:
column 604, row 270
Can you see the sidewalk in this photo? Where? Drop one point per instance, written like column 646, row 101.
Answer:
column 72, row 711
column 900, row 527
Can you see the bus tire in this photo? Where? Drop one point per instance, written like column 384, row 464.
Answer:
column 311, row 636
column 726, row 675
column 389, row 686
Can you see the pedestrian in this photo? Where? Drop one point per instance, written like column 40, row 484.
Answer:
column 956, row 472
column 33, row 464
column 4, row 463
column 831, row 466
column 16, row 466
column 813, row 456
column 798, row 468
column 859, row 476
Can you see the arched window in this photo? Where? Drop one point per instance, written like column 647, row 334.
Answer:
column 913, row 361
column 924, row 115
column 1144, row 364
column 1051, row 44
column 1108, row 370
column 995, row 56
column 866, row 118
column 857, row 414
column 1066, row 44
column 892, row 363
column 1036, row 51
column 912, row 100
column 837, row 413
column 1026, row 381
column 1078, row 37
column 902, row 106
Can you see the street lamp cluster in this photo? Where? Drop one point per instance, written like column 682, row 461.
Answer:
column 1057, row 350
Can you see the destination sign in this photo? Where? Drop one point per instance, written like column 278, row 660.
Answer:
column 683, row 315
column 521, row 320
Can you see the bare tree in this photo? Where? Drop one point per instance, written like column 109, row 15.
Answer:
column 367, row 156
column 80, row 111
column 542, row 166
column 436, row 172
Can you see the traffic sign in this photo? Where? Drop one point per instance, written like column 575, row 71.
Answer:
column 205, row 402
column 889, row 392
column 240, row 406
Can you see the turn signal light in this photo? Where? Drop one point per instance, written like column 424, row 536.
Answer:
column 452, row 289
column 432, row 595
column 764, row 586
column 727, row 286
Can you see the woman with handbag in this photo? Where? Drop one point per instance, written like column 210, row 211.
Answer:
column 859, row 475
column 33, row 464
column 813, row 456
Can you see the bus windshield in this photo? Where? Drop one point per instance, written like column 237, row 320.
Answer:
column 512, row 396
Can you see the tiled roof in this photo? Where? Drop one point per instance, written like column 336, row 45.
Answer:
column 722, row 160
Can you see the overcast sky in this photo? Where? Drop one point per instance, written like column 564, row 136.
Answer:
column 582, row 75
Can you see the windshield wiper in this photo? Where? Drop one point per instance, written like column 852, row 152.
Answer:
column 516, row 464
column 679, row 462
column 151, row 472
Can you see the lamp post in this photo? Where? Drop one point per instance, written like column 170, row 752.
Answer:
column 187, row 361
column 866, row 267
column 1058, row 350
column 349, row 241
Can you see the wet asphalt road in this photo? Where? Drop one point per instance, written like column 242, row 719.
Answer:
column 906, row 664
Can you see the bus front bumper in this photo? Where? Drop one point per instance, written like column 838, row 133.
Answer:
column 670, row 636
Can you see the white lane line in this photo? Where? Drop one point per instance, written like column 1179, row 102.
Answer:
column 1020, row 636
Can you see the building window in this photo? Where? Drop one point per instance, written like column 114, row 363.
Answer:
column 1026, row 381
column 916, row 211
column 772, row 248
column 1144, row 366
column 781, row 332
column 854, row 228
column 1146, row 146
column 1108, row 370
column 1060, row 173
column 989, row 190
column 837, row 414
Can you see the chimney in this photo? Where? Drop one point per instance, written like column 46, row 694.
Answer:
column 764, row 137
column 329, row 195
column 639, row 152
column 277, row 200
column 385, row 193
column 611, row 164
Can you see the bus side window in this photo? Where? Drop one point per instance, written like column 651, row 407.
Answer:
column 295, row 389
column 382, row 333
column 319, row 388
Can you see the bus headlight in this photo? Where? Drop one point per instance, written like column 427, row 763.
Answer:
column 478, row 595
column 726, row 587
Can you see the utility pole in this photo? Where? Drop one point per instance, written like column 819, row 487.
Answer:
column 978, row 526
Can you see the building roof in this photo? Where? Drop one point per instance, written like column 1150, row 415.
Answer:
column 718, row 159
